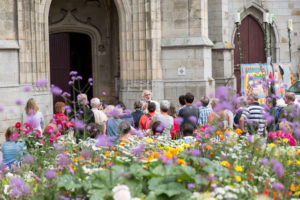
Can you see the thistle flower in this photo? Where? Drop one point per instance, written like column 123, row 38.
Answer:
column 263, row 161
column 104, row 141
column 63, row 160
column 27, row 88
column 277, row 186
column 78, row 124
column 19, row 102
column 50, row 174
column 1, row 108
column 41, row 83
column 55, row 90
column 29, row 159
column 73, row 73
column 277, row 167
column 18, row 188
column 138, row 150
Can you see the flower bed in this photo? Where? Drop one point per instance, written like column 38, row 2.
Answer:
column 223, row 165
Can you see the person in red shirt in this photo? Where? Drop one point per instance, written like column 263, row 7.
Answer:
column 60, row 119
column 146, row 118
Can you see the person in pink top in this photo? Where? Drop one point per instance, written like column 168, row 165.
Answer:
column 60, row 119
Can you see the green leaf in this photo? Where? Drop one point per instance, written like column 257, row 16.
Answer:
column 138, row 170
column 69, row 182
column 201, row 181
column 97, row 194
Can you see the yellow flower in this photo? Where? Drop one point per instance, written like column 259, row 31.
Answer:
column 181, row 162
column 275, row 154
column 179, row 148
column 173, row 151
column 290, row 162
column 278, row 141
column 161, row 148
column 238, row 178
column 297, row 162
column 225, row 163
column 148, row 140
column 179, row 180
column 168, row 155
column 285, row 140
column 185, row 145
column 272, row 145
column 239, row 168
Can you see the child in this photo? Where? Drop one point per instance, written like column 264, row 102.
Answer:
column 12, row 151
column 60, row 119
column 188, row 131
column 125, row 129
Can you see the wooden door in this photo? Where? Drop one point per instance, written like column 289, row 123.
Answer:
column 60, row 62
column 252, row 45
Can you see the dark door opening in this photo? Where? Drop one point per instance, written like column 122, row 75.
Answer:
column 70, row 52
column 252, row 45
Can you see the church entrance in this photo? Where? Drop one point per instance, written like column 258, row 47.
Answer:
column 84, row 37
column 70, row 52
column 252, row 45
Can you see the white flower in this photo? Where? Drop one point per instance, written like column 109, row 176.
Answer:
column 121, row 192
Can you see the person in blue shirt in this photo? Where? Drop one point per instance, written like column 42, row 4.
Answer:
column 12, row 150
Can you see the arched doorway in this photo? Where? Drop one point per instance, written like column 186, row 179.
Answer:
column 89, row 31
column 69, row 52
column 252, row 45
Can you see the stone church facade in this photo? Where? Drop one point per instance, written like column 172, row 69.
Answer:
column 167, row 46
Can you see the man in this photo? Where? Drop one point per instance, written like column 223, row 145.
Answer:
column 254, row 116
column 147, row 97
column 181, row 102
column 189, row 113
column 291, row 112
column 204, row 111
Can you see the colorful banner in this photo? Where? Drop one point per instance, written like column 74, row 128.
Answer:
column 282, row 77
column 253, row 76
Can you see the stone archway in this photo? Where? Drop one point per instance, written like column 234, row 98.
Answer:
column 98, row 20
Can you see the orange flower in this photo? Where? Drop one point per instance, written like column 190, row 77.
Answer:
column 155, row 154
column 219, row 133
column 221, row 137
column 211, row 153
column 112, row 148
column 168, row 155
column 173, row 151
column 107, row 154
column 181, row 162
column 209, row 147
column 238, row 131
column 292, row 188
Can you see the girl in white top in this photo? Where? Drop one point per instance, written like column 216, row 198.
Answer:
column 33, row 116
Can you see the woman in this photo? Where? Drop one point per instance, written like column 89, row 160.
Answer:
column 125, row 129
column 220, row 118
column 175, row 132
column 113, row 123
column 11, row 150
column 166, row 120
column 33, row 116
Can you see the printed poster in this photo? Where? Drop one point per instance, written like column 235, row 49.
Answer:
column 253, row 76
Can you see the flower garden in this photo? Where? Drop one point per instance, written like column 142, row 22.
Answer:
column 223, row 165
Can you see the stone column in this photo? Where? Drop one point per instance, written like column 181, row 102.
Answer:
column 222, row 57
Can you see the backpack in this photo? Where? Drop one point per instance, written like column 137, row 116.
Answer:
column 148, row 120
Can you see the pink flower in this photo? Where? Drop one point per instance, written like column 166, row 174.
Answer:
column 14, row 136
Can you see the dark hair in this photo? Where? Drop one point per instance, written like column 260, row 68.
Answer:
column 9, row 132
column 205, row 101
column 189, row 97
column 187, row 129
column 157, row 127
column 172, row 111
column 151, row 107
column 182, row 100
column 124, row 127
column 96, row 129
column 137, row 104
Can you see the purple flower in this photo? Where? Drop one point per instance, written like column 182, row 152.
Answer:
column 86, row 154
column 263, row 161
column 70, row 82
column 138, row 150
column 138, row 133
column 195, row 152
column 179, row 120
column 32, row 121
column 104, row 93
column 73, row 73
column 116, row 112
column 104, row 141
column 68, row 109
column 27, row 88
column 18, row 188
column 79, row 78
column 55, row 90
column 63, row 160
column 1, row 108
column 250, row 139
column 190, row 186
column 277, row 167
column 66, row 94
column 28, row 159
column 50, row 174
column 297, row 173
column 41, row 83
column 59, row 148
column 197, row 104
column 277, row 186
column 78, row 124
column 18, row 101
column 193, row 119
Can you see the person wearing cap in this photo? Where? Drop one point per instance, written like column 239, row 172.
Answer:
column 100, row 116
column 253, row 116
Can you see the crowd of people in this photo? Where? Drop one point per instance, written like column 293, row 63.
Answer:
column 156, row 118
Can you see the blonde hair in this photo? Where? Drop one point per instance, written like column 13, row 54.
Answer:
column 290, row 96
column 31, row 105
column 285, row 126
